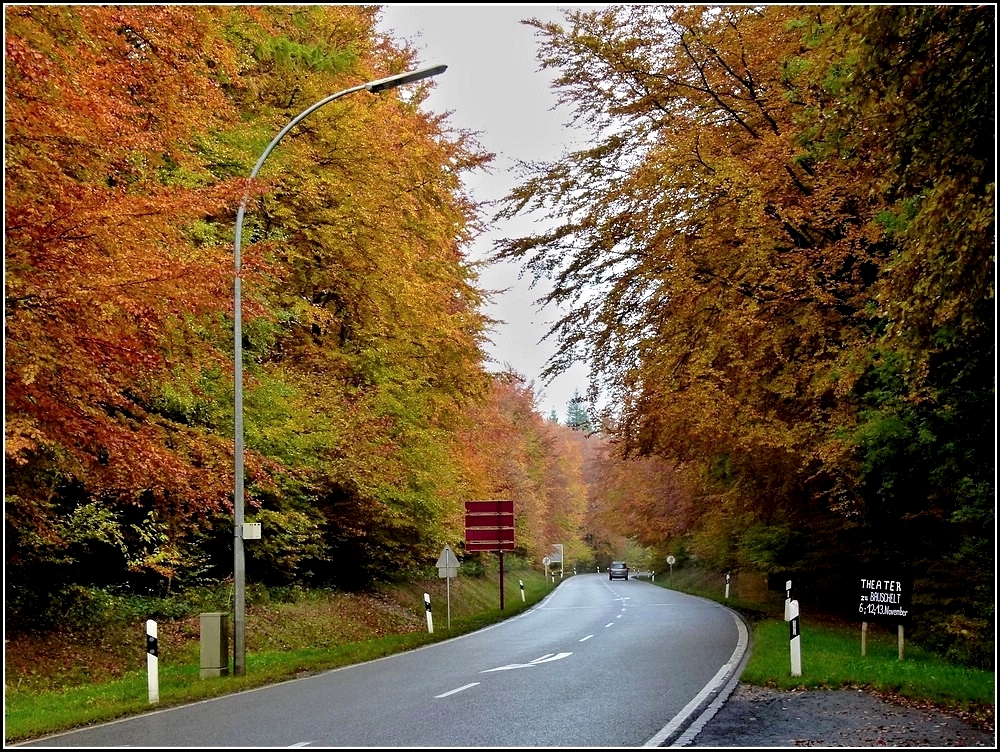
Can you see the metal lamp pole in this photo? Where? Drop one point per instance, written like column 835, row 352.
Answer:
column 239, row 606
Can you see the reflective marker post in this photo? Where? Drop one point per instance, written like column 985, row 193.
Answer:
column 794, row 638
column 152, row 662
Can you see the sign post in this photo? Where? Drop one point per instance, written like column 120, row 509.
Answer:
column 489, row 526
column 562, row 565
column 447, row 566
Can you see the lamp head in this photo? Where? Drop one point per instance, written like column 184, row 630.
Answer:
column 392, row 82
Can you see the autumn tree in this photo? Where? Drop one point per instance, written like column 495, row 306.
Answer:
column 363, row 280
column 512, row 452
column 104, row 278
column 719, row 282
column 648, row 500
column 130, row 132
column 922, row 81
column 768, row 263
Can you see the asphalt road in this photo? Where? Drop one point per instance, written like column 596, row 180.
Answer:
column 597, row 663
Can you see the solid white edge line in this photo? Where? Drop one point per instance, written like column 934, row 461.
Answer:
column 678, row 720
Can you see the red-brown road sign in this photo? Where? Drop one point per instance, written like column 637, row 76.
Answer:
column 494, row 506
column 489, row 520
column 501, row 535
column 489, row 525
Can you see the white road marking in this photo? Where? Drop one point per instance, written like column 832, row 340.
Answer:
column 551, row 657
column 455, row 691
column 584, row 639
column 731, row 666
column 548, row 657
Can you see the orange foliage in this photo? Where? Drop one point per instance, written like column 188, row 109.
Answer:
column 101, row 185
column 510, row 451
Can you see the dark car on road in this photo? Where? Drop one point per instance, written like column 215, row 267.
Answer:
column 618, row 571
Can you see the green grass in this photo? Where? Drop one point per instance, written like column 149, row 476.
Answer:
column 830, row 651
column 831, row 658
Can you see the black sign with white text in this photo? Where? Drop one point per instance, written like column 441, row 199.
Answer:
column 884, row 597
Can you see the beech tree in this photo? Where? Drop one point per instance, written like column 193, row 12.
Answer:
column 369, row 416
column 923, row 83
column 130, row 132
column 718, row 282
column 773, row 270
column 103, row 193
column 512, row 452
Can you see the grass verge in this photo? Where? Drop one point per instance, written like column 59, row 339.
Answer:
column 831, row 656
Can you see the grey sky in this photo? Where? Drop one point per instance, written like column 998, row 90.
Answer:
column 493, row 87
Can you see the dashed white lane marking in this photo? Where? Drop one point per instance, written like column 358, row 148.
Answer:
column 455, row 691
column 584, row 639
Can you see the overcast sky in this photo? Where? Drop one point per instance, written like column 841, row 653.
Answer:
column 494, row 88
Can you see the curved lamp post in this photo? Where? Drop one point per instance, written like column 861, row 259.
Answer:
column 239, row 606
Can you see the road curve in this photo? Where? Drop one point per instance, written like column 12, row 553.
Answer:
column 597, row 663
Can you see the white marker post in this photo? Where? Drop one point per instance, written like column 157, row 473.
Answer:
column 152, row 662
column 427, row 608
column 727, row 586
column 794, row 638
column 788, row 598
column 521, row 583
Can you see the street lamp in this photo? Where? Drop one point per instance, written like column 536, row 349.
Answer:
column 239, row 605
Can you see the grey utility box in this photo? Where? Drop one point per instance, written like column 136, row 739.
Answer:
column 214, row 645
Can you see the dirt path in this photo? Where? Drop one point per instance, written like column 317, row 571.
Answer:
column 759, row 717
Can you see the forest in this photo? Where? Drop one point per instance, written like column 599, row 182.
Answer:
column 777, row 250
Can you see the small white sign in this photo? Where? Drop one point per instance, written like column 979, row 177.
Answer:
column 251, row 531
column 447, row 563
column 671, row 560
